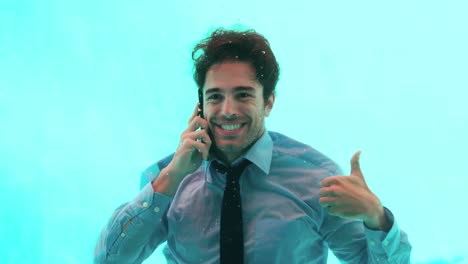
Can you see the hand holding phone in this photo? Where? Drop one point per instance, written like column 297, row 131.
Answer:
column 194, row 146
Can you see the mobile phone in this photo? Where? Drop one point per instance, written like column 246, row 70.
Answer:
column 200, row 105
column 200, row 113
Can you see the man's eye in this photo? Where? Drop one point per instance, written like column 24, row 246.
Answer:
column 213, row 97
column 244, row 94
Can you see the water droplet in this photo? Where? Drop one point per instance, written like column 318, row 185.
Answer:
column 263, row 52
column 230, row 41
column 237, row 57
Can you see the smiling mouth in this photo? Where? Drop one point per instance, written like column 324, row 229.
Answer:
column 230, row 129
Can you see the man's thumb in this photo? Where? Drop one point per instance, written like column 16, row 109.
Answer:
column 355, row 166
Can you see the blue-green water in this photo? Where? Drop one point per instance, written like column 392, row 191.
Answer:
column 92, row 92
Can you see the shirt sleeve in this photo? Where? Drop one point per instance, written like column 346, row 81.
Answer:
column 135, row 229
column 388, row 247
column 352, row 242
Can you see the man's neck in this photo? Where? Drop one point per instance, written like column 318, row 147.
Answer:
column 226, row 159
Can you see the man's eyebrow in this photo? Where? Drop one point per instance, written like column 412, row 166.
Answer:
column 236, row 89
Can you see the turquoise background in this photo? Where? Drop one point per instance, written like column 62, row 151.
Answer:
column 93, row 92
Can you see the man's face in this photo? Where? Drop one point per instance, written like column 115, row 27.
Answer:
column 233, row 96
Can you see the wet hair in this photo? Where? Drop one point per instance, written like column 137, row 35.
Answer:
column 236, row 45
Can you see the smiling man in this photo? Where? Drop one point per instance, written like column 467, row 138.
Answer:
column 234, row 192
column 234, row 108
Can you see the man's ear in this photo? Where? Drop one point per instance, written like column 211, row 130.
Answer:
column 269, row 104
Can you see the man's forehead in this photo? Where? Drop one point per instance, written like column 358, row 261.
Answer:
column 225, row 65
column 233, row 89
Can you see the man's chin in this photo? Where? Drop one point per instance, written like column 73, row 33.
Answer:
column 228, row 148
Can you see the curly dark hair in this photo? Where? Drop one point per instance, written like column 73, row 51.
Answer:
column 236, row 45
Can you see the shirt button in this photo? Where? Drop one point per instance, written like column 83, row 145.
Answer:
column 145, row 204
column 156, row 209
column 372, row 243
column 122, row 235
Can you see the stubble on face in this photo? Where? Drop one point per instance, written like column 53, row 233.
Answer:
column 227, row 76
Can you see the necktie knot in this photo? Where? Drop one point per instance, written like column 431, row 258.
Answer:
column 234, row 170
column 232, row 173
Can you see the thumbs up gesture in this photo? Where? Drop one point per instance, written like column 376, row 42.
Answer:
column 350, row 197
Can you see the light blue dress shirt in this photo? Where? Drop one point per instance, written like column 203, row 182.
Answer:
column 283, row 221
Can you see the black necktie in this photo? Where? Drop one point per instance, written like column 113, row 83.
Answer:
column 232, row 239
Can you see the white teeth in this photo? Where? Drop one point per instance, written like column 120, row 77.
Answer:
column 230, row 127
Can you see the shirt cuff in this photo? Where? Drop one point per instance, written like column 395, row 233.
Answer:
column 149, row 205
column 381, row 241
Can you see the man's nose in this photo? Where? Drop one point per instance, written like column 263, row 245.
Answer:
column 228, row 107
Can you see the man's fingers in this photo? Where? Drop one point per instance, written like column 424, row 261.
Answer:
column 200, row 134
column 327, row 201
column 191, row 143
column 203, row 149
column 196, row 123
column 327, row 191
column 340, row 210
column 194, row 136
column 329, row 181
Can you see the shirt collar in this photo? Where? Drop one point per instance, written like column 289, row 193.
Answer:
column 259, row 154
